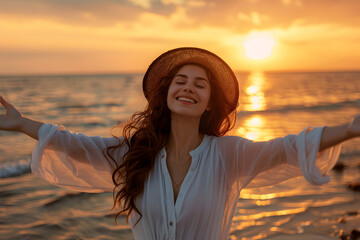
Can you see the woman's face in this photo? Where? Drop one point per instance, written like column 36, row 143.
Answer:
column 189, row 92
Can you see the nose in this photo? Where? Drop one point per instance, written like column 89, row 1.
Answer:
column 188, row 88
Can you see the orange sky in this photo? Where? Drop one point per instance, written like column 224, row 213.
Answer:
column 77, row 36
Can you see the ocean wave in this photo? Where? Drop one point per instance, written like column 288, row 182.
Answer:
column 14, row 168
column 100, row 105
column 320, row 107
column 61, row 199
column 353, row 153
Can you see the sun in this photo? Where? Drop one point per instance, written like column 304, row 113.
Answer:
column 259, row 45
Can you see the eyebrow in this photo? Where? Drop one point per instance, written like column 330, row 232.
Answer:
column 197, row 78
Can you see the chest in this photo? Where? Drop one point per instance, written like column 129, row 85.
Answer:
column 177, row 171
column 202, row 191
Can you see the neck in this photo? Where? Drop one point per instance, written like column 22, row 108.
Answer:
column 184, row 136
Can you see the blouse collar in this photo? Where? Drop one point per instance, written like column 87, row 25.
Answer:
column 197, row 150
column 200, row 148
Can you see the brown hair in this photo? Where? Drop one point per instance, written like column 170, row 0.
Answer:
column 147, row 132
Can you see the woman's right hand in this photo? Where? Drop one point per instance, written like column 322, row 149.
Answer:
column 11, row 121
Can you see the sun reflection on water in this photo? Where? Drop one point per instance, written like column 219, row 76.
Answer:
column 254, row 92
column 263, row 214
column 253, row 126
column 247, row 194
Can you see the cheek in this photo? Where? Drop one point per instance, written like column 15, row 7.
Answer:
column 170, row 94
column 172, row 90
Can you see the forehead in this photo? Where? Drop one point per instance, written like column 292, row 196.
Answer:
column 193, row 70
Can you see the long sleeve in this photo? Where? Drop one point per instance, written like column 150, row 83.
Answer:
column 258, row 164
column 74, row 161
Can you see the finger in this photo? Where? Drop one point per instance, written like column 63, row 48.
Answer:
column 4, row 102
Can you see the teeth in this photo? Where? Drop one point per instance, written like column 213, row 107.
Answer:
column 186, row 99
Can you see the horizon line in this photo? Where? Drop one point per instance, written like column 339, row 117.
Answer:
column 143, row 72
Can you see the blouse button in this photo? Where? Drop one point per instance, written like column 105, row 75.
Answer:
column 171, row 223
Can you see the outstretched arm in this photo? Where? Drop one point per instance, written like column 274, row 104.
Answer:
column 66, row 159
column 13, row 120
column 334, row 135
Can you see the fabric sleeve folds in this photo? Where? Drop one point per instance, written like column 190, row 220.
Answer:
column 74, row 161
column 260, row 164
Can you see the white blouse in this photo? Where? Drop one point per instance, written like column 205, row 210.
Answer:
column 220, row 168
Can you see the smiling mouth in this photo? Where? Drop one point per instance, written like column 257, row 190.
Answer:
column 185, row 99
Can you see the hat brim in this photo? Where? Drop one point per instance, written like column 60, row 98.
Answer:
column 220, row 70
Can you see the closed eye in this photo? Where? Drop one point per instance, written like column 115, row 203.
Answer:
column 180, row 83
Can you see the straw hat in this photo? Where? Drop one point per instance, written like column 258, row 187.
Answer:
column 221, row 71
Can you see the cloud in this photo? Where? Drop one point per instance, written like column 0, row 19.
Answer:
column 104, row 33
column 318, row 47
column 319, row 35
column 296, row 2
column 176, row 2
column 254, row 18
column 142, row 3
column 244, row 16
column 38, row 45
column 81, row 12
column 240, row 16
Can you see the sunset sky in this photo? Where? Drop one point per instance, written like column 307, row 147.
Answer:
column 89, row 36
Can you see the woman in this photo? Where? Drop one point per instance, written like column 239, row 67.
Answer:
column 173, row 171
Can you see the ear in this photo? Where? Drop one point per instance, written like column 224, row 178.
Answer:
column 208, row 108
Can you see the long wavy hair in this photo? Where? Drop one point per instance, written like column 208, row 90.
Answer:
column 146, row 133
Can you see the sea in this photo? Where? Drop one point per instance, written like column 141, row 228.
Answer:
column 271, row 105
